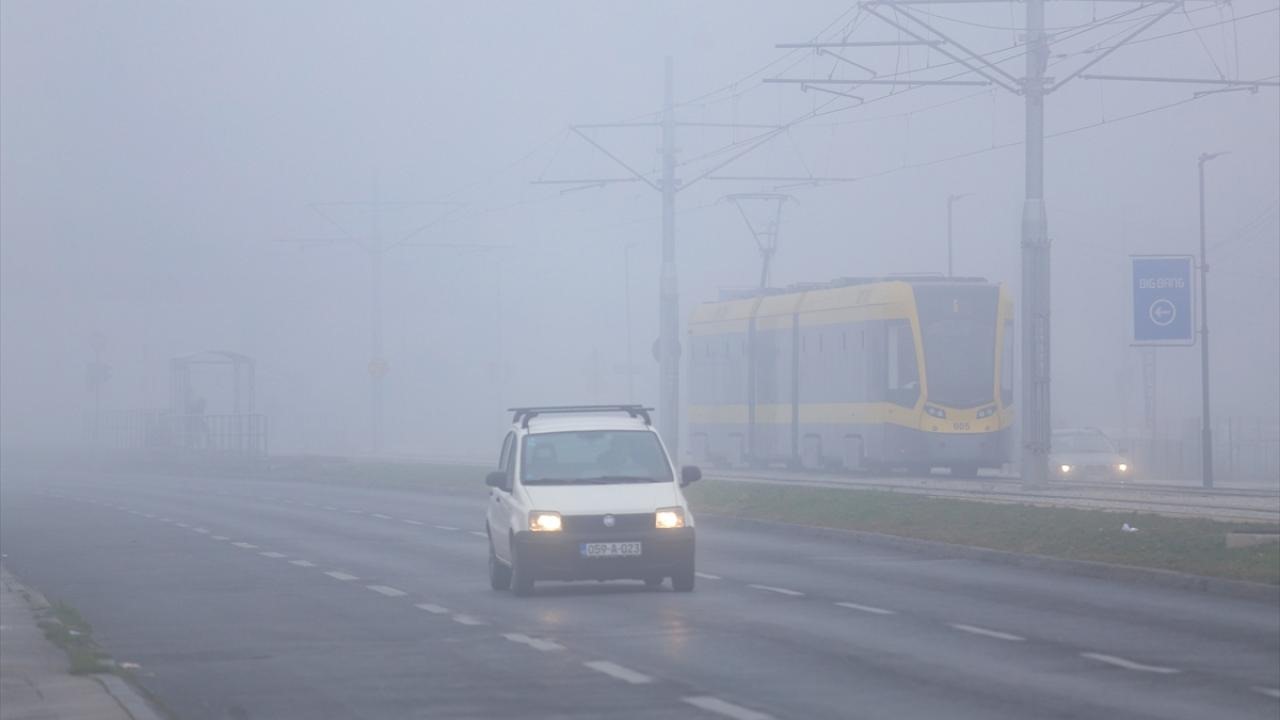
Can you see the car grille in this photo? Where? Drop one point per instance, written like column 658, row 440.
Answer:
column 595, row 523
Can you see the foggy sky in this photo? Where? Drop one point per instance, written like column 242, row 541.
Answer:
column 154, row 156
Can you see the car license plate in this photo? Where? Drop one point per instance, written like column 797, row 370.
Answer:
column 610, row 549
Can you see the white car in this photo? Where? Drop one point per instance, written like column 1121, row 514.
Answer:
column 588, row 493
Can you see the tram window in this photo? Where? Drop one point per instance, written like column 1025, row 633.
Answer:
column 1006, row 365
column 904, row 374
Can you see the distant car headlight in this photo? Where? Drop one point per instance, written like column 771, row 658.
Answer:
column 987, row 412
column 937, row 412
column 1123, row 467
column 544, row 521
column 667, row 518
column 1065, row 469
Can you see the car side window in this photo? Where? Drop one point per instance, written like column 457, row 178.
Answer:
column 506, row 450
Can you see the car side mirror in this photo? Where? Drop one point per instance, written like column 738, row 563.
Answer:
column 690, row 474
column 496, row 479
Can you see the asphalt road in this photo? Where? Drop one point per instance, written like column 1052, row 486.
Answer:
column 279, row 600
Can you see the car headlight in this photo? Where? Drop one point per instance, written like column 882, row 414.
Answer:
column 667, row 518
column 1065, row 469
column 544, row 521
column 1123, row 467
column 936, row 412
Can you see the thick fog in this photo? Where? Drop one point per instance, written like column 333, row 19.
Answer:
column 166, row 168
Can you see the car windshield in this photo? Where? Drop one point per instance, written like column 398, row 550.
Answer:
column 593, row 457
column 1082, row 442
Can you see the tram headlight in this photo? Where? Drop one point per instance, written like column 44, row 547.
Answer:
column 1066, row 469
column 936, row 412
column 1122, row 467
column 987, row 412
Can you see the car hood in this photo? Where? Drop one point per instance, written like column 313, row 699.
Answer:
column 1086, row 459
column 600, row 499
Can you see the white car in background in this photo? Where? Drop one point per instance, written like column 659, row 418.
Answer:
column 1087, row 454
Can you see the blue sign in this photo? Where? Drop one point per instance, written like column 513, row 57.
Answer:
column 1163, row 300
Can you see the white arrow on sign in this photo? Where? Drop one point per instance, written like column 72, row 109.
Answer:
column 1162, row 312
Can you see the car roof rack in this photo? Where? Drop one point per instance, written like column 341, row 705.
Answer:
column 523, row 415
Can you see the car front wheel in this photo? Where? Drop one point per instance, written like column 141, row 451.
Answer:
column 521, row 574
column 682, row 581
column 499, row 574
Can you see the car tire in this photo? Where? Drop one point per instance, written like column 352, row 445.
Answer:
column 521, row 577
column 499, row 574
column 654, row 582
column 683, row 581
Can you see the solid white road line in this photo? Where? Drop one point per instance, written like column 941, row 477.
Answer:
column 432, row 608
column 380, row 516
column 1269, row 692
column 617, row 671
column 219, row 537
column 780, row 591
column 412, row 522
column 337, row 575
column 302, row 563
column 467, row 620
column 535, row 643
column 477, row 533
column 387, row 590
column 444, row 527
column 866, row 608
column 1129, row 664
column 707, row 576
column 720, row 707
column 245, row 545
column 975, row 630
column 272, row 554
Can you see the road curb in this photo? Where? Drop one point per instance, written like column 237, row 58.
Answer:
column 1085, row 568
column 130, row 699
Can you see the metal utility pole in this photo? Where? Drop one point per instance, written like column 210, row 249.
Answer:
column 766, row 238
column 951, row 201
column 626, row 290
column 667, row 347
column 376, row 247
column 668, row 291
column 1035, row 264
column 1206, row 426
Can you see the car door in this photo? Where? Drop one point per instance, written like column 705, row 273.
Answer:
column 499, row 512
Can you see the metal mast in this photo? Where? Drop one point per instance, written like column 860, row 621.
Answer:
column 668, row 291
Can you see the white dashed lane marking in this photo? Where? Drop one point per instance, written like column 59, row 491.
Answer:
column 727, row 709
column 865, row 608
column 780, row 591
column 387, row 590
column 432, row 608
column 1129, row 664
column 467, row 620
column 444, row 527
column 337, row 575
column 182, row 525
column 617, row 671
column 975, row 630
column 380, row 516
column 411, row 522
column 245, row 545
column 219, row 537
column 328, row 507
column 477, row 533
column 202, row 531
column 302, row 563
column 1269, row 692
column 272, row 554
column 707, row 576
column 535, row 643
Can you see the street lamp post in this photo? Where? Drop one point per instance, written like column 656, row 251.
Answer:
column 1206, row 428
column 951, row 201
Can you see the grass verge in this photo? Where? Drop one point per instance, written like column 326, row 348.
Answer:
column 64, row 627
column 1186, row 545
